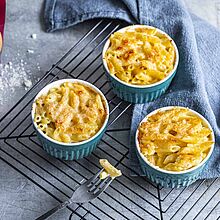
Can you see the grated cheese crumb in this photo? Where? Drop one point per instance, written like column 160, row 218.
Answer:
column 30, row 51
column 27, row 83
column 12, row 76
column 34, row 36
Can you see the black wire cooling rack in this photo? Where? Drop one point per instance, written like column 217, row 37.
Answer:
column 127, row 197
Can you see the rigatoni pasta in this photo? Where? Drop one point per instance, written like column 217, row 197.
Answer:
column 109, row 170
column 174, row 139
column 140, row 56
column 69, row 113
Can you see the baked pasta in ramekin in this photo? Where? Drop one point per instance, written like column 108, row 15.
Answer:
column 70, row 117
column 140, row 61
column 173, row 145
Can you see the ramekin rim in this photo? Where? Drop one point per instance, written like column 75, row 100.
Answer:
column 167, row 171
column 106, row 45
column 57, row 83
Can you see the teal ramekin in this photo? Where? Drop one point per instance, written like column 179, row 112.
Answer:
column 69, row 151
column 172, row 179
column 139, row 93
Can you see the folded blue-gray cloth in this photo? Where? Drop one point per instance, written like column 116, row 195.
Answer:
column 197, row 82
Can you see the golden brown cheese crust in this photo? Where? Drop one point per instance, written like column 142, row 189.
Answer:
column 174, row 139
column 71, row 112
column 141, row 57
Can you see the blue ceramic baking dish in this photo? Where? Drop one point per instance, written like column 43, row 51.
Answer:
column 69, row 151
column 139, row 93
column 172, row 179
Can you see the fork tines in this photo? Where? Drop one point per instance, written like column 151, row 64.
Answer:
column 97, row 185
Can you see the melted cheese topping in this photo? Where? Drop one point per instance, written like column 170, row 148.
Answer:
column 174, row 139
column 71, row 112
column 140, row 56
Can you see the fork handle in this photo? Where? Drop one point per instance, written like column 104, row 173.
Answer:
column 53, row 210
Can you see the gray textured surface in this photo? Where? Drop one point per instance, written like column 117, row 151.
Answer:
column 24, row 18
column 19, row 197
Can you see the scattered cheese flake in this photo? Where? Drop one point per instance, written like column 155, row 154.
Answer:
column 12, row 76
column 30, row 51
column 27, row 83
column 34, row 36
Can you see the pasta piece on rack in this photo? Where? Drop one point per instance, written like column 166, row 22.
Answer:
column 109, row 170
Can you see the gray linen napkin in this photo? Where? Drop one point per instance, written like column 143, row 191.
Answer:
column 197, row 82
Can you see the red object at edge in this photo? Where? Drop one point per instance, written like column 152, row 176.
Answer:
column 2, row 16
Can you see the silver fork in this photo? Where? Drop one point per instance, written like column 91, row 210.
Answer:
column 86, row 192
